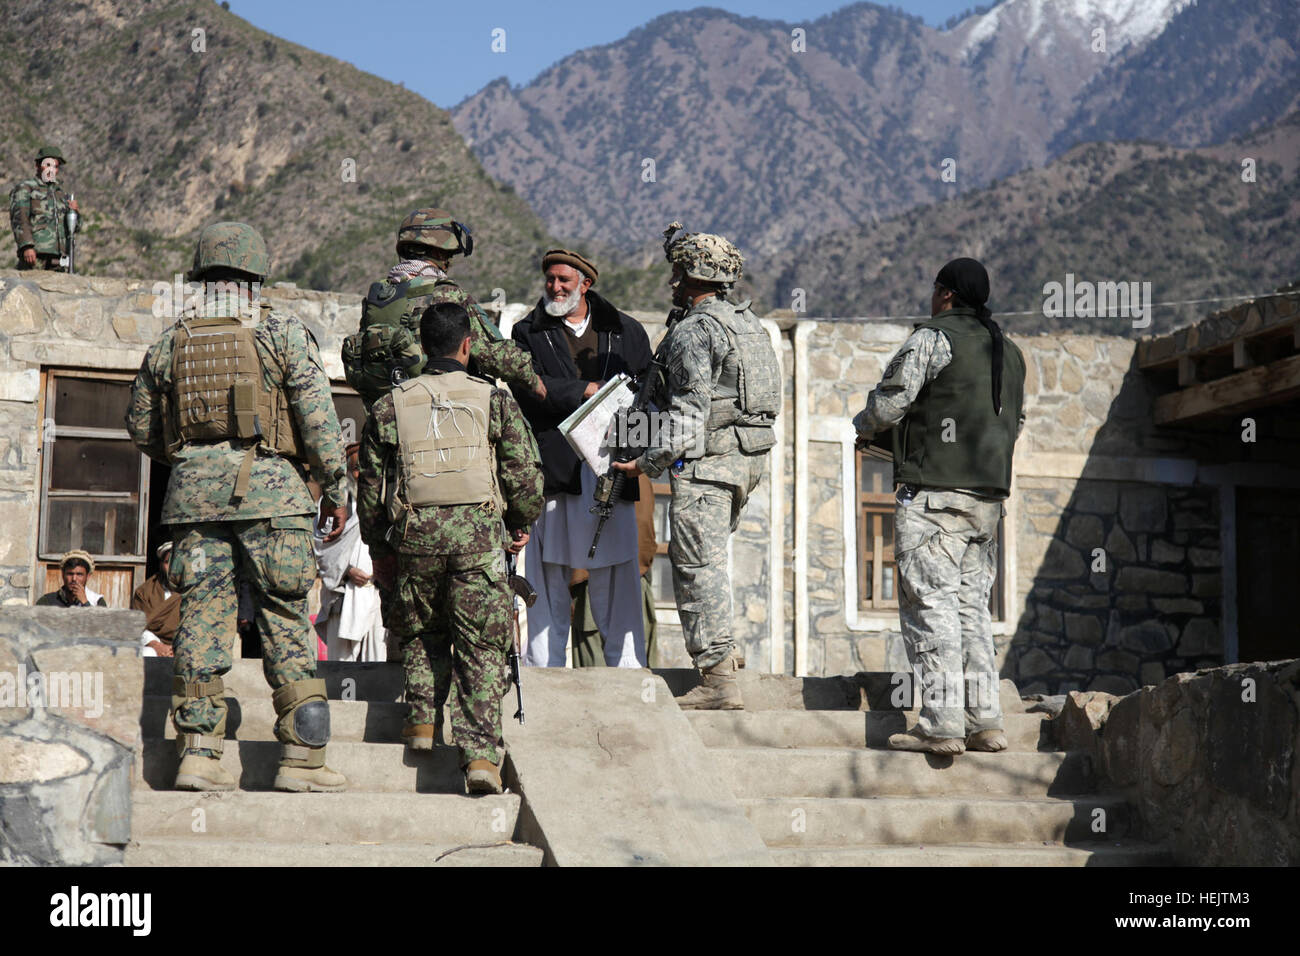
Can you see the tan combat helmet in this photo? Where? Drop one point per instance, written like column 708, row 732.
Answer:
column 231, row 245
column 434, row 230
column 704, row 256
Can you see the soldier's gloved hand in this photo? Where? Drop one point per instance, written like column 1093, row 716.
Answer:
column 863, row 441
column 29, row 255
column 340, row 516
column 630, row 467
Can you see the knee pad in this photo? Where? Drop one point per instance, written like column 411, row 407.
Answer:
column 304, row 713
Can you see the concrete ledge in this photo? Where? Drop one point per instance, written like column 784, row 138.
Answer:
column 612, row 774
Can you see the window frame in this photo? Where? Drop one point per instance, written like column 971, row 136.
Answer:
column 50, row 377
column 879, row 504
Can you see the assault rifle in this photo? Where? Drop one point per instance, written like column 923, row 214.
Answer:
column 609, row 486
column 522, row 589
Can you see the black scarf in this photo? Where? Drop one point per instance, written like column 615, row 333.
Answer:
column 969, row 282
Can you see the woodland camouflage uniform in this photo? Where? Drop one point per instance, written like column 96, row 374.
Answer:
column 452, row 607
column 37, row 213
column 262, row 536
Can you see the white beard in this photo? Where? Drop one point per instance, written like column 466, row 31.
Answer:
column 560, row 308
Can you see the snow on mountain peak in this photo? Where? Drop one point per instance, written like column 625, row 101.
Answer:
column 1126, row 21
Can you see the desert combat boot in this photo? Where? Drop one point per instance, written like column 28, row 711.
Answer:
column 718, row 690
column 198, row 772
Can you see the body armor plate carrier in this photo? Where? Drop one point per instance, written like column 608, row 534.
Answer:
column 219, row 392
column 445, row 456
column 747, row 394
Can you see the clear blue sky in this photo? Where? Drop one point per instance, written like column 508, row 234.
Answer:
column 442, row 49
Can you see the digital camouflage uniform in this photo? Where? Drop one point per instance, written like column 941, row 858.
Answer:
column 452, row 607
column 263, row 537
column 716, row 454
column 945, row 546
column 38, row 213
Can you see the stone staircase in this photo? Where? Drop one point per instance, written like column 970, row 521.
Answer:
column 810, row 769
column 400, row 809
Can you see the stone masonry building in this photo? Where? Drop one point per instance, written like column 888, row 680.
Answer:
column 1153, row 525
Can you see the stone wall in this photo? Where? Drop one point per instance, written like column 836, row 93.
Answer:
column 70, row 689
column 1208, row 759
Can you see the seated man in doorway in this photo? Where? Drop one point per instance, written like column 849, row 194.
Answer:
column 77, row 567
column 162, row 608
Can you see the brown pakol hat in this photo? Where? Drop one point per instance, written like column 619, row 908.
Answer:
column 579, row 262
column 78, row 555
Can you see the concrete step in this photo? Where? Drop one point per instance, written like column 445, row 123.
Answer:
column 836, row 728
column 179, row 852
column 1132, row 854
column 951, row 819
column 372, row 681
column 868, row 690
column 350, row 817
column 253, row 718
column 369, row 767
column 841, row 772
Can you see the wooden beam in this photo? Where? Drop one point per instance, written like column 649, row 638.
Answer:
column 1186, row 371
column 1241, row 357
column 1261, row 385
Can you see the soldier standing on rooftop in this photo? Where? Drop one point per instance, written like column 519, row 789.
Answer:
column 38, row 209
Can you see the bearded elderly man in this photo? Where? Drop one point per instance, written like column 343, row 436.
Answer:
column 578, row 341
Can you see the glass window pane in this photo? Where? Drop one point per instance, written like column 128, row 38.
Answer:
column 94, row 464
column 89, row 403
column 887, row 582
column 662, row 580
column 661, row 518
column 869, row 570
column 874, row 476
column 887, row 531
column 104, row 526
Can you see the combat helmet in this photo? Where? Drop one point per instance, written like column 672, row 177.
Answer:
column 51, row 152
column 704, row 256
column 434, row 229
column 231, row 245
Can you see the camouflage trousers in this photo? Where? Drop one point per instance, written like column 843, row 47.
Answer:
column 274, row 555
column 708, row 497
column 945, row 545
column 454, row 615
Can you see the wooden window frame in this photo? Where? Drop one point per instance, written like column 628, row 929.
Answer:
column 878, row 503
column 49, row 380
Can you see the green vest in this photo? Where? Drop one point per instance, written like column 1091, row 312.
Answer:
column 958, row 406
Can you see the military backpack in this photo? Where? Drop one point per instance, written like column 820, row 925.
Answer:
column 385, row 350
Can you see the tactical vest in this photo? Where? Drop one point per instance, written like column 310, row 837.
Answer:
column 219, row 391
column 950, row 437
column 445, row 456
column 746, row 396
column 385, row 350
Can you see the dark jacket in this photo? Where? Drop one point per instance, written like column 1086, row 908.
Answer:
column 622, row 346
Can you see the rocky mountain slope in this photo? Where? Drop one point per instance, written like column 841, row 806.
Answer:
column 166, row 129
column 1183, row 220
column 778, row 137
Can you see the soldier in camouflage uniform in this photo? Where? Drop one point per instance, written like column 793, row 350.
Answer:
column 718, row 383
column 38, row 209
column 238, row 403
column 950, row 408
column 450, row 475
column 427, row 240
